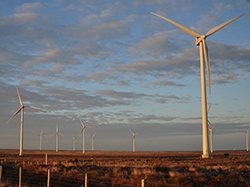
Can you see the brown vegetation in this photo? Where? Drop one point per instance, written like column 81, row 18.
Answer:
column 124, row 168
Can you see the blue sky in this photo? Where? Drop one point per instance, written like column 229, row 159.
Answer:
column 118, row 67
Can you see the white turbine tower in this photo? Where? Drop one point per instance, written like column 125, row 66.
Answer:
column 41, row 138
column 83, row 134
column 74, row 143
column 211, row 135
column 133, row 139
column 210, row 129
column 56, row 133
column 247, row 138
column 21, row 109
column 93, row 141
column 201, row 41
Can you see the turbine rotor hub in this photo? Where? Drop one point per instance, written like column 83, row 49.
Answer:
column 198, row 40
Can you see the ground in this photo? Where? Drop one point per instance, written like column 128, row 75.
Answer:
column 127, row 168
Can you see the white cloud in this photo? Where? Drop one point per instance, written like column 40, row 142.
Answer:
column 28, row 7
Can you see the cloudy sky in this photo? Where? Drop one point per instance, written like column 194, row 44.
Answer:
column 116, row 66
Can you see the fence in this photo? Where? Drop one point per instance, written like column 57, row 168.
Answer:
column 10, row 175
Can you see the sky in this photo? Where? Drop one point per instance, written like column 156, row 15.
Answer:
column 118, row 67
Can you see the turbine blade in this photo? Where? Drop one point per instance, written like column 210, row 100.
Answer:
column 81, row 122
column 32, row 108
column 132, row 132
column 52, row 134
column 189, row 31
column 210, row 124
column 248, row 130
column 60, row 134
column 14, row 115
column 213, row 30
column 205, row 49
column 80, row 132
column 19, row 97
column 209, row 108
column 89, row 127
column 195, row 118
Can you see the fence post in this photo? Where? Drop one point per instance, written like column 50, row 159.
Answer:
column 86, row 179
column 143, row 183
column 20, row 177
column 1, row 169
column 48, row 181
column 46, row 158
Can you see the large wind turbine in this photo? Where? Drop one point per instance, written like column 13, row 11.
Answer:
column 41, row 138
column 57, row 133
column 247, row 134
column 201, row 41
column 133, row 139
column 93, row 141
column 83, row 134
column 21, row 109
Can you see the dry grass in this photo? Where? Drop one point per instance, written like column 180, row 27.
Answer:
column 186, row 168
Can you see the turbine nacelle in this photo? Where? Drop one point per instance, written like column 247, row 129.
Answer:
column 198, row 40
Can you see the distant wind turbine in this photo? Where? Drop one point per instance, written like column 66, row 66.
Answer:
column 83, row 134
column 93, row 141
column 56, row 133
column 210, row 129
column 201, row 41
column 247, row 134
column 133, row 139
column 74, row 143
column 21, row 109
column 41, row 138
column 211, row 135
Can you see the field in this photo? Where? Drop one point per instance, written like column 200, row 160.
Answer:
column 125, row 168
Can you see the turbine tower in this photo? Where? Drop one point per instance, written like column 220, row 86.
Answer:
column 201, row 41
column 93, row 141
column 41, row 138
column 83, row 134
column 133, row 139
column 247, row 138
column 56, row 133
column 21, row 109
column 211, row 135
column 74, row 143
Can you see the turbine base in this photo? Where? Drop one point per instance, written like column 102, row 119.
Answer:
column 205, row 156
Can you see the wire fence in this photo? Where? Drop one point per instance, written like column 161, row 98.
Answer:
column 12, row 175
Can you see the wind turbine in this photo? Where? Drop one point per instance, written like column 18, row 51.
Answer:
column 201, row 41
column 133, row 139
column 21, row 109
column 247, row 138
column 41, row 138
column 210, row 129
column 93, row 139
column 74, row 143
column 211, row 135
column 83, row 134
column 56, row 133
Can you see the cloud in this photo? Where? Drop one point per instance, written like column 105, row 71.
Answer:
column 166, row 82
column 155, row 45
column 121, row 95
column 28, row 7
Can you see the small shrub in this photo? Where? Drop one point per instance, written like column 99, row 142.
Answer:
column 226, row 154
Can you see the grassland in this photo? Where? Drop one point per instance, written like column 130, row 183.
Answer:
column 125, row 168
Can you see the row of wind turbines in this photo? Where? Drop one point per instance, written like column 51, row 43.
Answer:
column 83, row 130
column 201, row 42
column 57, row 133
column 74, row 139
